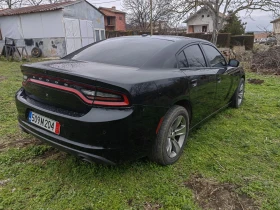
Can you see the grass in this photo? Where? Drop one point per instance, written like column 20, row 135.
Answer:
column 240, row 147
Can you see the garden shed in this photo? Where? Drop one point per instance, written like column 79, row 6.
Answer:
column 57, row 29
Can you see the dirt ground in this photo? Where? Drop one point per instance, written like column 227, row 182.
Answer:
column 210, row 194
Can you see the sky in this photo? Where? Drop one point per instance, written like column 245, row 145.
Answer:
column 257, row 22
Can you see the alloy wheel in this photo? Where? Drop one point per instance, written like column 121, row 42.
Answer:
column 240, row 94
column 176, row 136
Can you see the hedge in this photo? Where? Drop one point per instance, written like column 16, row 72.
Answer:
column 224, row 39
column 244, row 40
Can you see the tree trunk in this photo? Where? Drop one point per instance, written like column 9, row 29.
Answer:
column 215, row 24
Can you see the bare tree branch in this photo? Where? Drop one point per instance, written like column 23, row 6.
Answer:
column 219, row 8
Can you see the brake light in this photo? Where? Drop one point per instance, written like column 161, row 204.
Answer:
column 106, row 97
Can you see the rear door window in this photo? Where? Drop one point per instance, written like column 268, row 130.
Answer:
column 194, row 56
column 182, row 60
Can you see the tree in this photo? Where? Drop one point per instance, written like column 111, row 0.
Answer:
column 234, row 25
column 222, row 6
column 10, row 4
column 138, row 13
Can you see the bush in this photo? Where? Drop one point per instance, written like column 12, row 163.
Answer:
column 267, row 61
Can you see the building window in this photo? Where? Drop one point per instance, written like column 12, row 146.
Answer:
column 97, row 35
column 120, row 18
column 102, row 34
column 204, row 28
column 108, row 21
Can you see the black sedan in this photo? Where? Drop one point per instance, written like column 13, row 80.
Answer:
column 129, row 97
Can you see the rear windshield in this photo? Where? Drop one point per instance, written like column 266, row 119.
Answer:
column 132, row 52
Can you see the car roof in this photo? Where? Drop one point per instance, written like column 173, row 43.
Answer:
column 187, row 40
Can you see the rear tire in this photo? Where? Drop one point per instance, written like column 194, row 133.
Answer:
column 36, row 52
column 172, row 137
column 238, row 97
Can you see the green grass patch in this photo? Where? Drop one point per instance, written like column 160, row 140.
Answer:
column 240, row 147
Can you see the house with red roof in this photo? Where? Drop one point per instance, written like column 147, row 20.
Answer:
column 114, row 19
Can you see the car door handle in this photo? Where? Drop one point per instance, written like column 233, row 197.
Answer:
column 194, row 82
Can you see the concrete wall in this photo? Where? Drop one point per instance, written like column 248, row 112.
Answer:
column 51, row 47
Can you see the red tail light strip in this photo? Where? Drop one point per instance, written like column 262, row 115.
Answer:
column 159, row 125
column 68, row 89
column 78, row 93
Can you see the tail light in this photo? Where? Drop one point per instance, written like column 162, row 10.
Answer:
column 97, row 96
column 106, row 97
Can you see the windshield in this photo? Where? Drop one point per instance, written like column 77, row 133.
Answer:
column 133, row 52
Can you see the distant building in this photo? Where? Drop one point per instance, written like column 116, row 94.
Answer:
column 261, row 35
column 114, row 19
column 276, row 28
column 57, row 29
column 201, row 21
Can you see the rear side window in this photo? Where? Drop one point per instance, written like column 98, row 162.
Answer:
column 214, row 56
column 194, row 56
column 182, row 60
column 134, row 52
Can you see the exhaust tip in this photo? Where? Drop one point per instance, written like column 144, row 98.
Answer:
column 85, row 159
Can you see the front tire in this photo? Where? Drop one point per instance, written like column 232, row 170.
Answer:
column 238, row 96
column 172, row 137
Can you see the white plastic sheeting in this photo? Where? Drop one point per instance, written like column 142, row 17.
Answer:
column 38, row 25
column 73, row 34
column 42, row 25
column 10, row 27
column 79, row 33
column 32, row 26
column 86, row 32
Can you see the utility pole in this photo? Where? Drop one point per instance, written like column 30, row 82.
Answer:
column 151, row 20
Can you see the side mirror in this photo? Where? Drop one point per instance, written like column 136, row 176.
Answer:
column 233, row 63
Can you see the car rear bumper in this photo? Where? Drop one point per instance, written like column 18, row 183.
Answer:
column 80, row 150
column 102, row 135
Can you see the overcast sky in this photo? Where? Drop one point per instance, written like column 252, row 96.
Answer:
column 259, row 19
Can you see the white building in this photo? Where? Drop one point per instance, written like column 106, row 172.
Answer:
column 276, row 28
column 57, row 29
column 201, row 21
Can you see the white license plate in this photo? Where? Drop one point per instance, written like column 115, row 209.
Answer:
column 44, row 122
